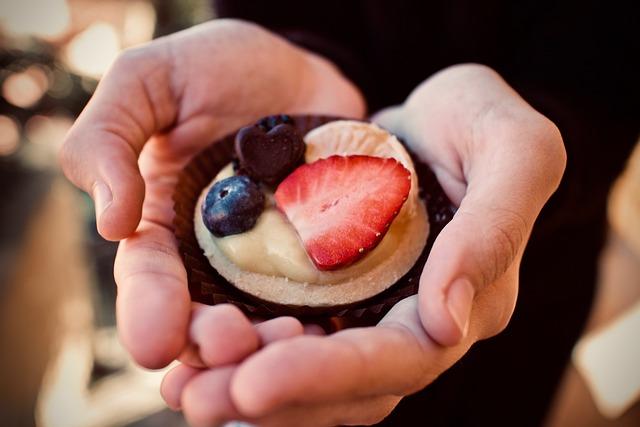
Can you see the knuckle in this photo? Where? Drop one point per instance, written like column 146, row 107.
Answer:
column 506, row 236
column 540, row 131
column 375, row 416
column 497, row 304
column 234, row 31
column 552, row 149
column 541, row 140
column 234, row 24
column 75, row 167
column 501, row 323
column 500, row 320
column 373, row 412
column 128, row 59
column 159, row 261
column 464, row 72
column 70, row 159
column 135, row 62
column 472, row 69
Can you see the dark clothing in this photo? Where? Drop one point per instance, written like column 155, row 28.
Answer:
column 574, row 62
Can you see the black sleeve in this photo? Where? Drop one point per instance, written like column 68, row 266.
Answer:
column 312, row 25
column 577, row 64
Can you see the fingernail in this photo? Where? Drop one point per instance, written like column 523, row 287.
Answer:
column 102, row 197
column 459, row 302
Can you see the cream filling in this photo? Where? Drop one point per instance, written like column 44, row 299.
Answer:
column 272, row 247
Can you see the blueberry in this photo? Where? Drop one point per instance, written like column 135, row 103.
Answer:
column 232, row 206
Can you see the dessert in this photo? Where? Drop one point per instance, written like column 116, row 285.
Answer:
column 305, row 216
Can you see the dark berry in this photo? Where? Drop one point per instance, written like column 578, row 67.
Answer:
column 269, row 156
column 232, row 206
column 269, row 122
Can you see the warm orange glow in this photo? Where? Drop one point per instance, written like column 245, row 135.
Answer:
column 9, row 135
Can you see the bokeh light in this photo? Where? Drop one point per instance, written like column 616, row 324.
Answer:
column 139, row 23
column 48, row 131
column 92, row 51
column 24, row 89
column 9, row 135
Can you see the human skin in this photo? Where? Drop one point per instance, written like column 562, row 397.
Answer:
column 497, row 159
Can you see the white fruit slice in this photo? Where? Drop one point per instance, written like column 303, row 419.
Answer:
column 350, row 137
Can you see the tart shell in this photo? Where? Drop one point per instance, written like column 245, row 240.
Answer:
column 207, row 286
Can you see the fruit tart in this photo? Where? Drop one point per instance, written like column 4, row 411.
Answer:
column 307, row 216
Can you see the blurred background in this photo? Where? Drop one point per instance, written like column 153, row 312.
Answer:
column 60, row 360
column 61, row 363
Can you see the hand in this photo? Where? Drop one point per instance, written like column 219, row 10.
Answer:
column 499, row 160
column 157, row 106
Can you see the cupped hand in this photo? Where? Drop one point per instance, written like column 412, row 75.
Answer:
column 499, row 160
column 159, row 105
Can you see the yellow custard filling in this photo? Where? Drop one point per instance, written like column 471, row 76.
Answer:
column 272, row 247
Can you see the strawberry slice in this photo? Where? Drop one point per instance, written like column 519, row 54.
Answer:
column 342, row 206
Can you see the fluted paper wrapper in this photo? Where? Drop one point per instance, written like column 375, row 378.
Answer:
column 209, row 287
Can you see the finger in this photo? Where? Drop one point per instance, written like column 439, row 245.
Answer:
column 349, row 364
column 367, row 411
column 205, row 399
column 223, row 334
column 278, row 329
column 153, row 303
column 206, row 402
column 100, row 152
column 506, row 189
column 174, row 382
column 313, row 329
column 190, row 356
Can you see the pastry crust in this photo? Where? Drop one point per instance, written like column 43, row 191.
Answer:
column 285, row 291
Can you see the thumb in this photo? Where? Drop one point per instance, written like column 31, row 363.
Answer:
column 100, row 153
column 486, row 238
column 473, row 251
column 105, row 166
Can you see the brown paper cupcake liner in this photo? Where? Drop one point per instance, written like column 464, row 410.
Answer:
column 208, row 287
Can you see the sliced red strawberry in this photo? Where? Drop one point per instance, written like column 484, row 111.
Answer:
column 341, row 206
